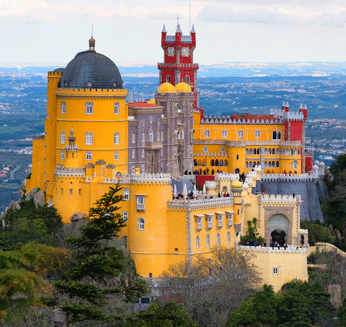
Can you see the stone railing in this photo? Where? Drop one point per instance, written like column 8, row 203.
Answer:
column 73, row 148
column 159, row 178
column 226, row 176
column 201, row 203
column 279, row 199
column 286, row 178
column 268, row 249
column 229, row 120
column 69, row 172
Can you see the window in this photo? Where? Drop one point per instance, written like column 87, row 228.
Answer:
column 199, row 223
column 205, row 149
column 116, row 108
column 168, row 79
column 63, row 107
column 219, row 219
column 89, row 108
column 151, row 136
column 158, row 135
column 141, row 224
column 133, row 137
column 257, row 134
column 224, row 133
column 126, row 194
column 133, row 153
column 161, row 152
column 143, row 153
column 88, row 156
column 187, row 79
column 230, row 219
column 116, row 155
column 80, row 192
column 223, row 149
column 178, row 135
column 207, row 133
column 71, row 192
column 62, row 191
column 62, row 137
column 116, row 138
column 240, row 134
column 295, row 164
column 140, row 202
column 279, row 135
column 210, row 221
column 218, row 239
column 198, row 243
column 62, row 155
column 89, row 138
column 237, row 157
column 143, row 137
column 125, row 216
column 161, row 136
column 274, row 135
column 182, row 135
column 275, row 271
column 228, row 238
column 207, row 241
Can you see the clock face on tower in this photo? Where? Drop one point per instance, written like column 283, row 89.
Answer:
column 185, row 52
column 170, row 52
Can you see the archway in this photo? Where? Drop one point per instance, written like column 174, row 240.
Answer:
column 278, row 229
column 237, row 171
column 278, row 237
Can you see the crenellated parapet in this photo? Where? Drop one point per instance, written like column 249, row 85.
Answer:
column 141, row 179
column 226, row 177
column 63, row 172
column 297, row 116
column 271, row 199
column 198, row 204
column 228, row 120
column 290, row 249
column 97, row 93
column 286, row 178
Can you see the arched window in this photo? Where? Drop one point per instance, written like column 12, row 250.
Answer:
column 258, row 163
column 195, row 162
column 246, row 164
column 265, row 164
column 141, row 224
column 187, row 79
column 221, row 162
column 273, row 151
column 143, row 137
column 151, row 136
column 254, row 151
column 270, row 164
column 126, row 194
column 273, row 163
column 212, row 162
column 133, row 137
column 207, row 241
column 274, row 135
column 240, row 134
column 178, row 135
column 199, row 162
column 217, row 162
column 226, row 163
column 158, row 135
column 224, row 133
column 279, row 135
column 228, row 238
column 295, row 164
column 125, row 216
column 207, row 133
column 168, row 79
column 258, row 151
column 218, row 239
column 182, row 135
column 198, row 243
column 257, row 134
column 277, row 164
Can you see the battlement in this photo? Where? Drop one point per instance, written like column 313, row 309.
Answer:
column 270, row 199
column 178, row 66
column 277, row 113
column 62, row 172
column 226, row 177
column 228, row 120
column 142, row 179
column 196, row 204
column 293, row 116
column 62, row 92
column 286, row 178
column 290, row 249
column 54, row 74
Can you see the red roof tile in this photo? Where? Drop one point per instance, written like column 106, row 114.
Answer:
column 142, row 105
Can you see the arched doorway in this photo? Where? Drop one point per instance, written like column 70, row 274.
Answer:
column 278, row 229
column 237, row 171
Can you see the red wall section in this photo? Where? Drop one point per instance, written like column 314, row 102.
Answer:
column 201, row 179
column 296, row 130
column 308, row 163
column 286, row 131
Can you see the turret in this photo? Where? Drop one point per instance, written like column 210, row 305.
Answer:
column 178, row 34
column 304, row 110
column 163, row 35
column 193, row 36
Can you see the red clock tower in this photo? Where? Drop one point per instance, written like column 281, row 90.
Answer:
column 178, row 63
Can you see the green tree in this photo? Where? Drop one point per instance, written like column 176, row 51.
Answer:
column 317, row 232
column 100, row 272
column 168, row 314
column 342, row 313
column 23, row 276
column 27, row 224
column 251, row 235
column 259, row 311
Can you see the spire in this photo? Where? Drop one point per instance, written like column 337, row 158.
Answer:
column 305, row 107
column 283, row 103
column 92, row 40
column 301, row 106
column 178, row 26
column 164, row 29
column 287, row 105
column 193, row 29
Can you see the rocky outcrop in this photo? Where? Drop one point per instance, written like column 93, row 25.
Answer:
column 77, row 216
column 39, row 199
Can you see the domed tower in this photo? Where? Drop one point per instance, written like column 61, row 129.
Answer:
column 86, row 97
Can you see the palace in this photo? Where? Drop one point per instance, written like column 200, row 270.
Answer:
column 93, row 139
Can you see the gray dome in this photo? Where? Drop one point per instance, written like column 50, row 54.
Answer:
column 91, row 70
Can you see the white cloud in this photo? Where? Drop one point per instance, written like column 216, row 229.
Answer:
column 20, row 7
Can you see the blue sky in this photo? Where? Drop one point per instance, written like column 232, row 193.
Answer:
column 53, row 31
